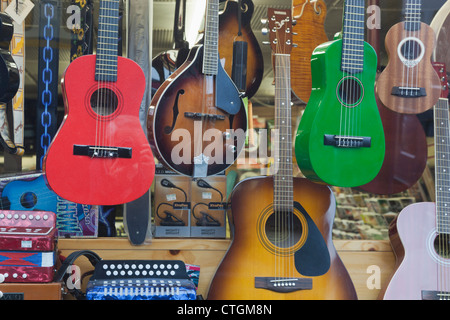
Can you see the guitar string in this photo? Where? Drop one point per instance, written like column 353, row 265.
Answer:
column 444, row 268
column 440, row 132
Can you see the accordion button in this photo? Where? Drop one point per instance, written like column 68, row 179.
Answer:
column 2, row 216
column 2, row 278
column 45, row 217
column 23, row 217
column 38, row 218
column 155, row 266
column 133, row 266
column 176, row 266
column 9, row 216
column 15, row 275
column 24, row 276
column 147, row 266
column 140, row 267
column 16, row 216
column 161, row 266
column 30, row 217
column 126, row 266
column 122, row 273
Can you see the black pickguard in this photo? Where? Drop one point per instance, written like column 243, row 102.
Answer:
column 313, row 258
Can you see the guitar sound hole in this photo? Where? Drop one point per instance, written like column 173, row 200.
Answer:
column 104, row 102
column 28, row 200
column 283, row 230
column 411, row 50
column 350, row 91
column 442, row 245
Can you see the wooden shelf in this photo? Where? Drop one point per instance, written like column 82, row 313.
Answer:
column 360, row 257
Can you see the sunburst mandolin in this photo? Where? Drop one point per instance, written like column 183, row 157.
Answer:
column 282, row 247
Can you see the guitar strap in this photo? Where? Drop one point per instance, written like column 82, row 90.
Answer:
column 46, row 119
column 12, row 128
column 81, row 43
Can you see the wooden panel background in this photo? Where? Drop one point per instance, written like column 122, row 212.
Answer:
column 369, row 263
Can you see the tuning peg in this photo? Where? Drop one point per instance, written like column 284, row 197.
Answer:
column 265, row 31
column 266, row 42
column 264, row 20
column 294, row 22
column 295, row 45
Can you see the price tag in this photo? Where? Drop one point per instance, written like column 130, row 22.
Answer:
column 19, row 10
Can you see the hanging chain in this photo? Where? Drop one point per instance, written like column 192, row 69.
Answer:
column 47, row 76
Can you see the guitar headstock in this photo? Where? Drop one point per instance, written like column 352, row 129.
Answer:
column 280, row 30
column 441, row 70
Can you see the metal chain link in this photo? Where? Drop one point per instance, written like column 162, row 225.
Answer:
column 47, row 98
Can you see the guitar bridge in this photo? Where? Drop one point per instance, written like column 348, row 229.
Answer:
column 102, row 152
column 435, row 295
column 347, row 141
column 206, row 116
column 283, row 285
column 409, row 92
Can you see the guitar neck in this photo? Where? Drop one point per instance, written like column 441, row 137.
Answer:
column 442, row 165
column 353, row 36
column 283, row 190
column 211, row 40
column 412, row 11
column 107, row 43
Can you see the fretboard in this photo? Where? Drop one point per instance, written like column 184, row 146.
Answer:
column 211, row 38
column 283, row 189
column 412, row 12
column 107, row 41
column 353, row 36
column 442, row 165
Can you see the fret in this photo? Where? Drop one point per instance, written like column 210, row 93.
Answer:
column 283, row 177
column 211, row 38
column 412, row 13
column 442, row 165
column 107, row 43
column 353, row 36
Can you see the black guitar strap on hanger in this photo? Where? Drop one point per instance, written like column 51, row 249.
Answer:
column 62, row 276
column 239, row 68
column 81, row 43
column 5, row 133
column 48, row 78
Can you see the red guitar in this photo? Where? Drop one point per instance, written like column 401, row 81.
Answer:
column 100, row 155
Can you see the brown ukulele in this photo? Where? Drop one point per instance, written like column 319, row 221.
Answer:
column 228, row 34
column 309, row 32
column 406, row 144
column 409, row 84
column 282, row 245
column 197, row 121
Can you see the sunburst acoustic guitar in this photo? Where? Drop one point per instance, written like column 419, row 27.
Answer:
column 100, row 154
column 282, row 246
column 409, row 84
column 340, row 138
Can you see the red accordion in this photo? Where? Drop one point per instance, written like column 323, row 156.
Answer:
column 27, row 246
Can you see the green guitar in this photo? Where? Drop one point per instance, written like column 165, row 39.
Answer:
column 340, row 139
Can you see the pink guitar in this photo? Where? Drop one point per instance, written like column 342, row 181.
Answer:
column 101, row 155
column 420, row 235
